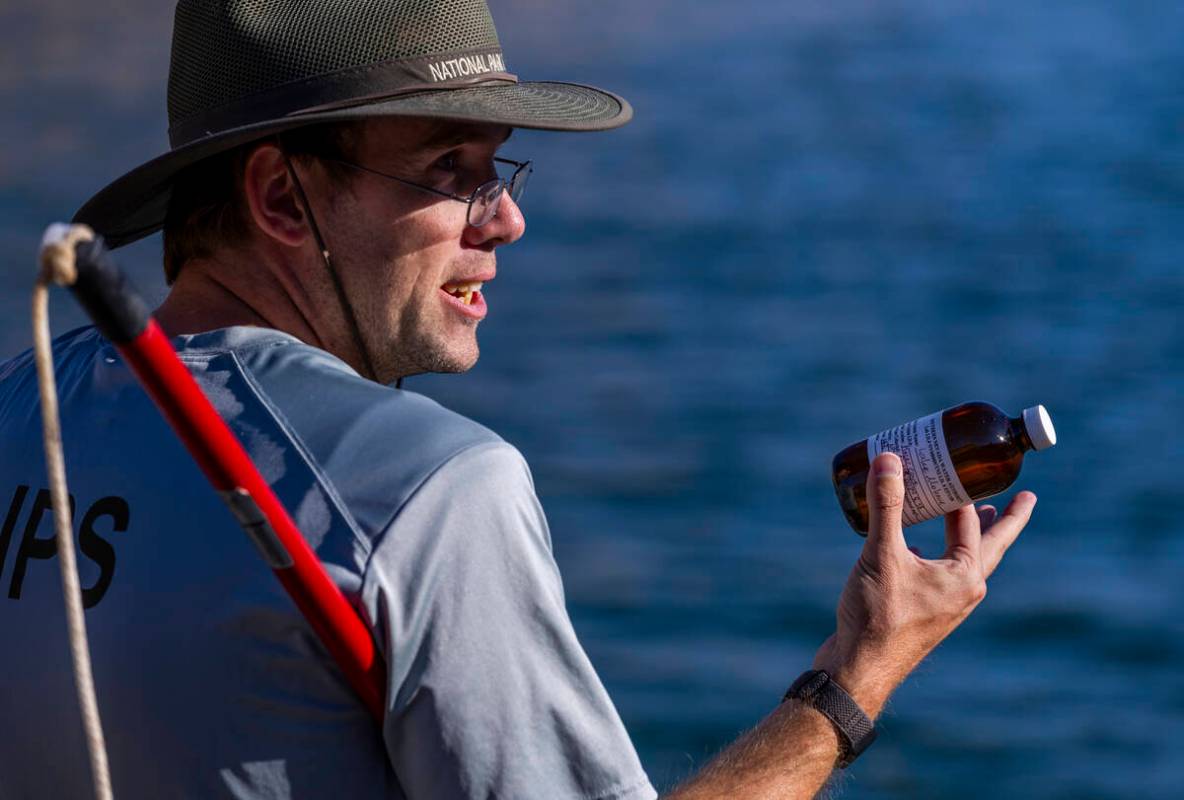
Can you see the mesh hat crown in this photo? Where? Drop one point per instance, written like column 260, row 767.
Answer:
column 245, row 69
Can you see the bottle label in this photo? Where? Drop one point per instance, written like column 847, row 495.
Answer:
column 931, row 485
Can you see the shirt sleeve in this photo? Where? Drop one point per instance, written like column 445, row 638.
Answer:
column 490, row 693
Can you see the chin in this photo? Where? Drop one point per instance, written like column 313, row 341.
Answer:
column 456, row 366
column 421, row 352
column 450, row 359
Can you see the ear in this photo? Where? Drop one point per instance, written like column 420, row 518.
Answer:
column 271, row 196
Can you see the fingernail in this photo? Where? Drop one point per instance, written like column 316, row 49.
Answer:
column 888, row 464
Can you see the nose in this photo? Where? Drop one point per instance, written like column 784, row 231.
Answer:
column 506, row 227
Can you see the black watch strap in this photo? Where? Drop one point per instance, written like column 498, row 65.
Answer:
column 856, row 732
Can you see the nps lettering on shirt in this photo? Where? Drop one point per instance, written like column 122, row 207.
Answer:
column 36, row 541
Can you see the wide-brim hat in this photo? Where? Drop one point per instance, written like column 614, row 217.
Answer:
column 242, row 70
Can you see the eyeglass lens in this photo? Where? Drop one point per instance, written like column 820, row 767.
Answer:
column 518, row 181
column 485, row 202
column 488, row 196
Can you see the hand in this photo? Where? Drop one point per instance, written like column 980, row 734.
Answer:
column 898, row 606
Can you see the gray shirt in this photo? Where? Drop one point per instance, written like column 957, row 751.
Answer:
column 209, row 681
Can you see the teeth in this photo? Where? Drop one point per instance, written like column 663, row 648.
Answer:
column 463, row 291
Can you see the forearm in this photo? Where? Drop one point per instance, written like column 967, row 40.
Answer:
column 789, row 755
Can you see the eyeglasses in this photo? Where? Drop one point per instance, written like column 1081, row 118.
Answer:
column 485, row 199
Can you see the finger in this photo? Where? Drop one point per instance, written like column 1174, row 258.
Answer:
column 963, row 535
column 885, row 499
column 999, row 537
column 915, row 551
column 986, row 516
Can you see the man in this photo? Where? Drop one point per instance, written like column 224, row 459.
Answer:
column 332, row 210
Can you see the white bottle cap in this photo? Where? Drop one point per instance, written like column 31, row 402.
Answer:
column 1039, row 426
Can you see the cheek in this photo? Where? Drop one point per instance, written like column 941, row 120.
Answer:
column 402, row 255
column 411, row 276
column 424, row 246
column 412, row 233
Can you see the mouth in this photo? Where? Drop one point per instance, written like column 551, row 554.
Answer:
column 466, row 299
column 464, row 292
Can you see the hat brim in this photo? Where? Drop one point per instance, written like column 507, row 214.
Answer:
column 134, row 205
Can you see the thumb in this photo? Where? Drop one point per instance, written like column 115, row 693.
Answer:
column 885, row 500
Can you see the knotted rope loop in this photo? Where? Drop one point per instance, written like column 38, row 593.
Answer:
column 57, row 254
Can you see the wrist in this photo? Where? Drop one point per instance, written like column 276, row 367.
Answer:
column 853, row 728
column 868, row 679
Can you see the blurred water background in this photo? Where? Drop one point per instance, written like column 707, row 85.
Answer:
column 828, row 217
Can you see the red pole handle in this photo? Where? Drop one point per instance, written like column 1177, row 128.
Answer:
column 124, row 319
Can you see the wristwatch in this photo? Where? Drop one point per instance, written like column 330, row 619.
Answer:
column 856, row 732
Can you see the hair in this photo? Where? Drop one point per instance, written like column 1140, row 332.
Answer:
column 207, row 209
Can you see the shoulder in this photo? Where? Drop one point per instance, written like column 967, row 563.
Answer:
column 73, row 355
column 84, row 341
column 374, row 444
column 484, row 497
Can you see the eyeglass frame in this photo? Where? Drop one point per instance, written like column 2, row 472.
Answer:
column 503, row 184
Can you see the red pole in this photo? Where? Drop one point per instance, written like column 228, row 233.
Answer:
column 230, row 470
column 122, row 317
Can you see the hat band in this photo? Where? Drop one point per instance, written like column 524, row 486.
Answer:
column 348, row 87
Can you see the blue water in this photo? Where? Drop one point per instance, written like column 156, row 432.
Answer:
column 827, row 218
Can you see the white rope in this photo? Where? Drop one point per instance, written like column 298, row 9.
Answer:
column 57, row 266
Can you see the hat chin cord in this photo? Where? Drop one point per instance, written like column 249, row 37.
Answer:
column 346, row 308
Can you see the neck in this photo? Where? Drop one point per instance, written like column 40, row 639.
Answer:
column 257, row 289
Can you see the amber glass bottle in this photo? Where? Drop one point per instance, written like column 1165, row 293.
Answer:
column 950, row 458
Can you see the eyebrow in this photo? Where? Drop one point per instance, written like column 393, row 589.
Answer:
column 450, row 134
